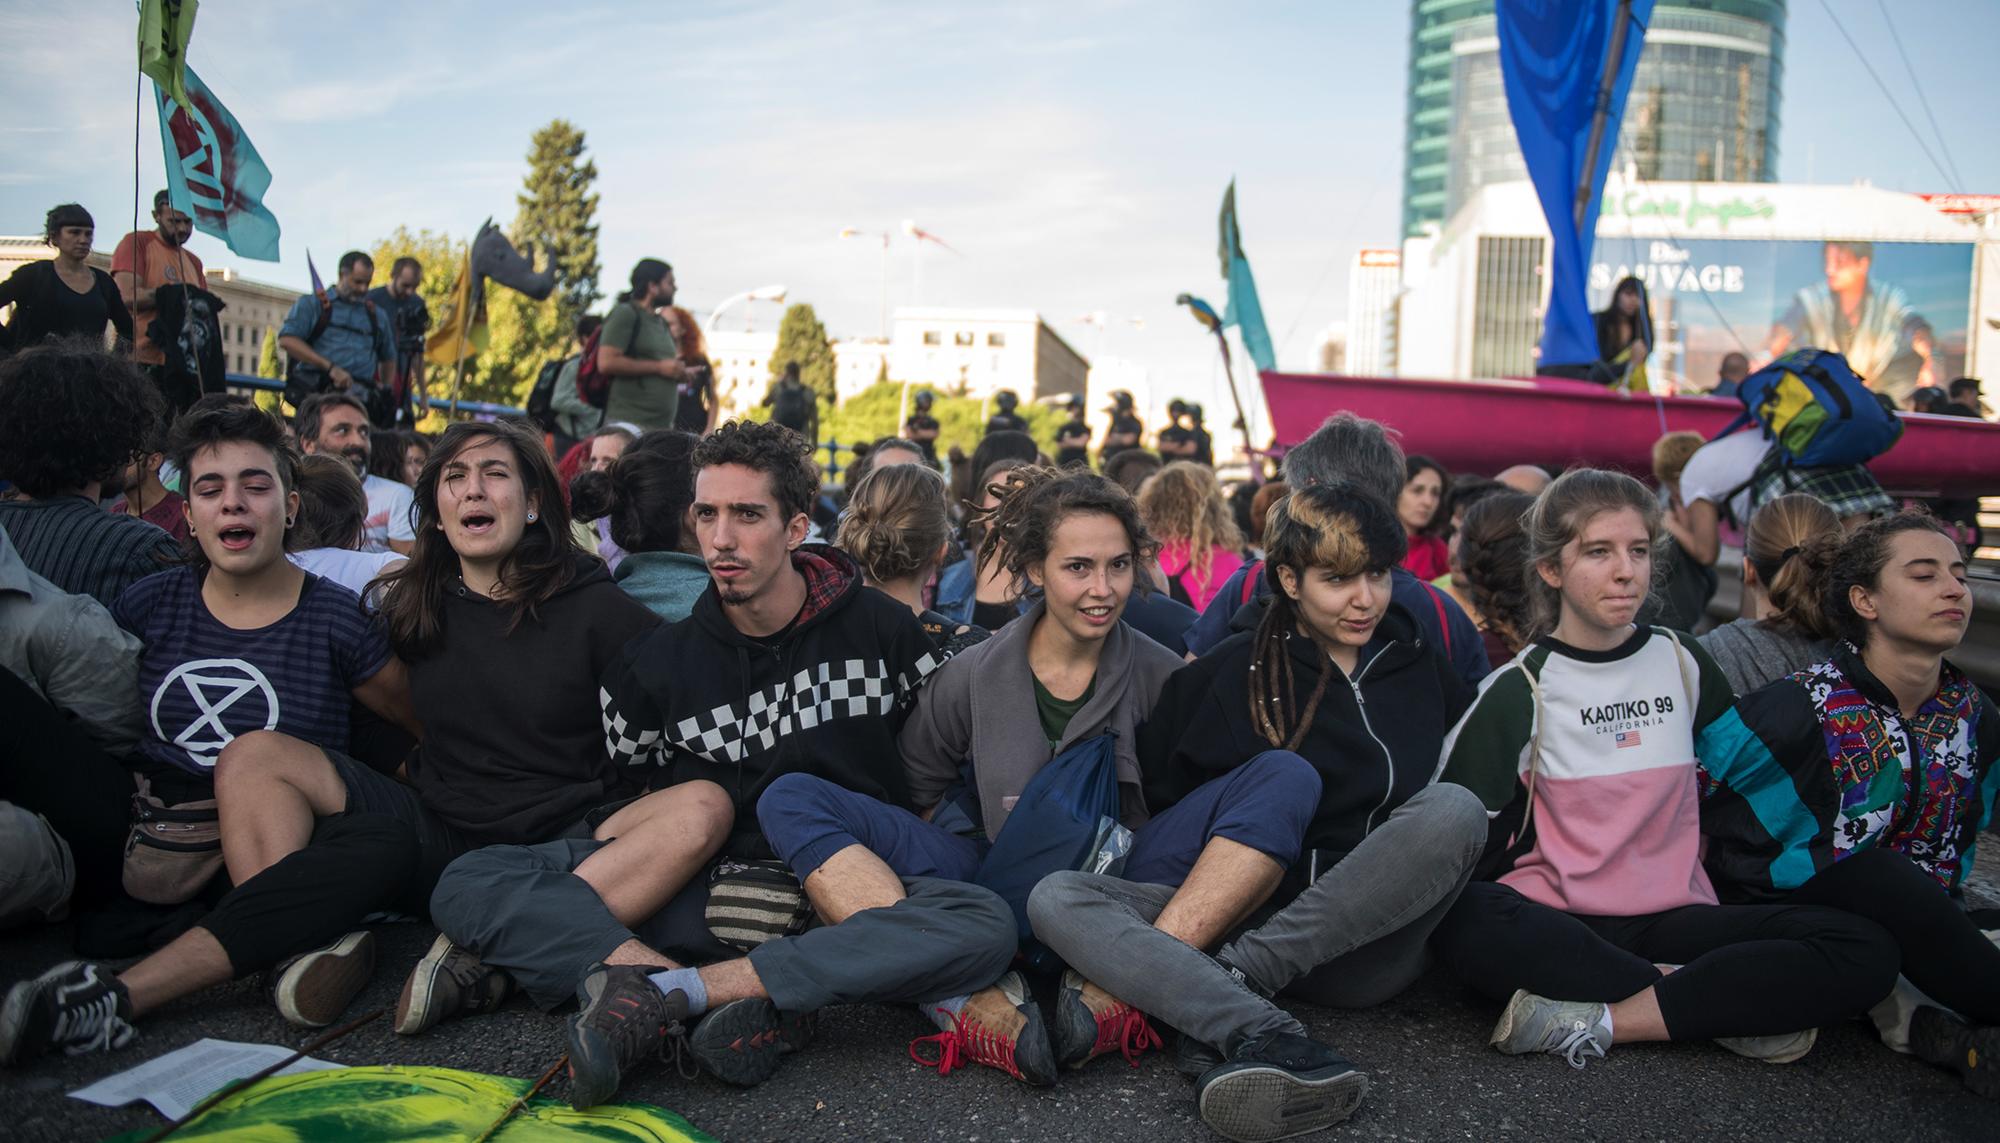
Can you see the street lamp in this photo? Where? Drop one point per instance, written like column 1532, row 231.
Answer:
column 882, row 328
column 760, row 294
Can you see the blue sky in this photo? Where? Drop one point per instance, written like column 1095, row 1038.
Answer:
column 1076, row 152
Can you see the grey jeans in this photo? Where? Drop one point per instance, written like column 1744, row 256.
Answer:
column 1353, row 937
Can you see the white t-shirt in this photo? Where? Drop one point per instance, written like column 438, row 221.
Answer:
column 1719, row 467
column 344, row 566
column 391, row 508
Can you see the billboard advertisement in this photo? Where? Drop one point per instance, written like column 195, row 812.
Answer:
column 1898, row 311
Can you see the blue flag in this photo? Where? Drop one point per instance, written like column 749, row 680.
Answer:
column 214, row 174
column 1553, row 56
column 1243, row 311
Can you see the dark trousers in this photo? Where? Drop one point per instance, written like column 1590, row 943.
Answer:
column 48, row 765
column 1943, row 951
column 1747, row 970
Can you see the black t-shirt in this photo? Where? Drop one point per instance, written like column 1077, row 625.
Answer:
column 45, row 306
column 992, row 616
column 1005, row 422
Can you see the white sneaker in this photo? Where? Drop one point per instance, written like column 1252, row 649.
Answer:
column 1773, row 1049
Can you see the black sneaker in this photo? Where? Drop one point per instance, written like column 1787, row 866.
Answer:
column 1277, row 1087
column 1948, row 1040
column 1193, row 1058
column 622, row 1018
column 450, row 981
column 77, row 1007
column 740, row 1042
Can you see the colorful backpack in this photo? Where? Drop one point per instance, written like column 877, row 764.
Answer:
column 1817, row 411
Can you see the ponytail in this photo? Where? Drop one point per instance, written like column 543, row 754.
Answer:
column 1791, row 541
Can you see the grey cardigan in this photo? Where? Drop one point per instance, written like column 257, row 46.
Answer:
column 980, row 707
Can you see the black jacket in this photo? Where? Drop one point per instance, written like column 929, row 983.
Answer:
column 1374, row 744
column 513, row 750
column 826, row 696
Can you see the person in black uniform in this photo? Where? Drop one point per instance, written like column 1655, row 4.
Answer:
column 923, row 428
column 1004, row 418
column 1125, row 430
column 1073, row 438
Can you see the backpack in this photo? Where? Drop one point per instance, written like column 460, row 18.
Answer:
column 304, row 381
column 1065, row 818
column 592, row 384
column 541, row 398
column 789, row 403
column 1816, row 410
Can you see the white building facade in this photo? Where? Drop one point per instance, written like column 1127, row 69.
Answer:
column 1372, row 284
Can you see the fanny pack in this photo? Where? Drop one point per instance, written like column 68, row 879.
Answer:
column 172, row 851
column 750, row 902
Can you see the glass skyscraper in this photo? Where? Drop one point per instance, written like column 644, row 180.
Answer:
column 1703, row 106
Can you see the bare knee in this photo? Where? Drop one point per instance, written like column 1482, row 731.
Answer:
column 264, row 759
column 697, row 810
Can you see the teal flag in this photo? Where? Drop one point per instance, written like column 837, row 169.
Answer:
column 1244, row 311
column 214, row 174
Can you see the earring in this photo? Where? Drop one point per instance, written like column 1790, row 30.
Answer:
column 288, row 521
column 531, row 517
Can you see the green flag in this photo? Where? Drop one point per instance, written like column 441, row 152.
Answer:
column 164, row 29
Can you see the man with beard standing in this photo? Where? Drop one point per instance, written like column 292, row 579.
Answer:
column 337, row 424
column 147, row 261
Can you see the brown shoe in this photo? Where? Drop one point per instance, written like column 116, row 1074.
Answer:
column 999, row 1026
column 313, row 988
column 1091, row 1022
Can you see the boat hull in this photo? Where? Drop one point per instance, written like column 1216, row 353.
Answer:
column 1485, row 426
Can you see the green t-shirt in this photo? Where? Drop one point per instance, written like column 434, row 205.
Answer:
column 1055, row 713
column 649, row 402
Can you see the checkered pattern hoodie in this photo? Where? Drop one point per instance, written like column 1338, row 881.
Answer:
column 826, row 696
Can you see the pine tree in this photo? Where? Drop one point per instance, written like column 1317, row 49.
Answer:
column 802, row 339
column 267, row 357
column 556, row 214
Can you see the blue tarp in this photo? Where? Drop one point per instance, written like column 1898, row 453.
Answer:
column 1552, row 55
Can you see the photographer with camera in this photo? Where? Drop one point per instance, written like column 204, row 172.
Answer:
column 410, row 322
column 341, row 341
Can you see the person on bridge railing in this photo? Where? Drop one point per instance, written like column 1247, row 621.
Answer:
column 342, row 342
column 1863, row 783
column 147, row 262
column 1596, row 924
column 63, row 296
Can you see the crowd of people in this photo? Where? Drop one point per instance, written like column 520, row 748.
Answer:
column 266, row 685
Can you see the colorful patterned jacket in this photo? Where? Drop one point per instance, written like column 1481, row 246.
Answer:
column 1823, row 764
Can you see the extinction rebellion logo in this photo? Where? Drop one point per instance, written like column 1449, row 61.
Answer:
column 196, row 705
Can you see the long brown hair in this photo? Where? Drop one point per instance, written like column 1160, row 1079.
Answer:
column 1561, row 513
column 541, row 564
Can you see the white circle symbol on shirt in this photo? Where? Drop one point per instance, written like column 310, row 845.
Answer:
column 215, row 687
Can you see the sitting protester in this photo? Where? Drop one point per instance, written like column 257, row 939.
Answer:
column 1421, row 510
column 644, row 494
column 1200, row 545
column 1490, row 554
column 146, row 496
column 332, row 524
column 1782, row 630
column 248, row 667
column 898, row 529
column 1602, row 927
column 787, row 667
column 1336, row 676
column 1362, row 453
column 1814, row 800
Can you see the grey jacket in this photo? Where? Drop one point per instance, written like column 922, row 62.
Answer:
column 71, row 652
column 980, row 707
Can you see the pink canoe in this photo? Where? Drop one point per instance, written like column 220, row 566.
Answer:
column 1485, row 426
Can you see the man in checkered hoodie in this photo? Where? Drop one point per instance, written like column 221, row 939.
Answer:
column 788, row 664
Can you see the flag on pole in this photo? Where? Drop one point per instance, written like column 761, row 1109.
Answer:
column 1243, row 311
column 462, row 333
column 319, row 287
column 164, row 29
column 214, row 173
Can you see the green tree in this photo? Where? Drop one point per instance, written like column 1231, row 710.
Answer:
column 802, row 339
column 267, row 357
column 556, row 215
column 872, row 414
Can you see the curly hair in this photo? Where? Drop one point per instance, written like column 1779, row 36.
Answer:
column 646, row 492
column 1493, row 555
column 1033, row 500
column 1342, row 528
column 1779, row 544
column 70, row 414
column 1844, row 562
column 1561, row 513
column 769, row 448
column 1182, row 502
column 896, row 523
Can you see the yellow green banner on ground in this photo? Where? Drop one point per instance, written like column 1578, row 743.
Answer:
column 398, row 1103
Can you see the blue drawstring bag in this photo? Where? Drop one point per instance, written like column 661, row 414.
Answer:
column 1066, row 818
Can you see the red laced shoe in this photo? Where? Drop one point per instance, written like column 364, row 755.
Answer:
column 1091, row 1022
column 999, row 1027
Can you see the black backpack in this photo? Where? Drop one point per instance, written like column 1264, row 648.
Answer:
column 791, row 403
column 541, row 407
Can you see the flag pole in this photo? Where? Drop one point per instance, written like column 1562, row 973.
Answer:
column 138, row 113
column 1242, row 419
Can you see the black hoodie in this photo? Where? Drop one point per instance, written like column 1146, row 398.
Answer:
column 1375, row 741
column 825, row 696
column 513, row 750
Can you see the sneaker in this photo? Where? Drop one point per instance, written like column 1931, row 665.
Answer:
column 1574, row 1031
column 450, row 981
column 77, row 1007
column 1277, row 1087
column 313, row 988
column 1936, row 1037
column 795, row 1031
column 622, row 1018
column 1193, row 1058
column 1001, row 1027
column 1773, row 1049
column 1091, row 1022
column 739, row 1042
